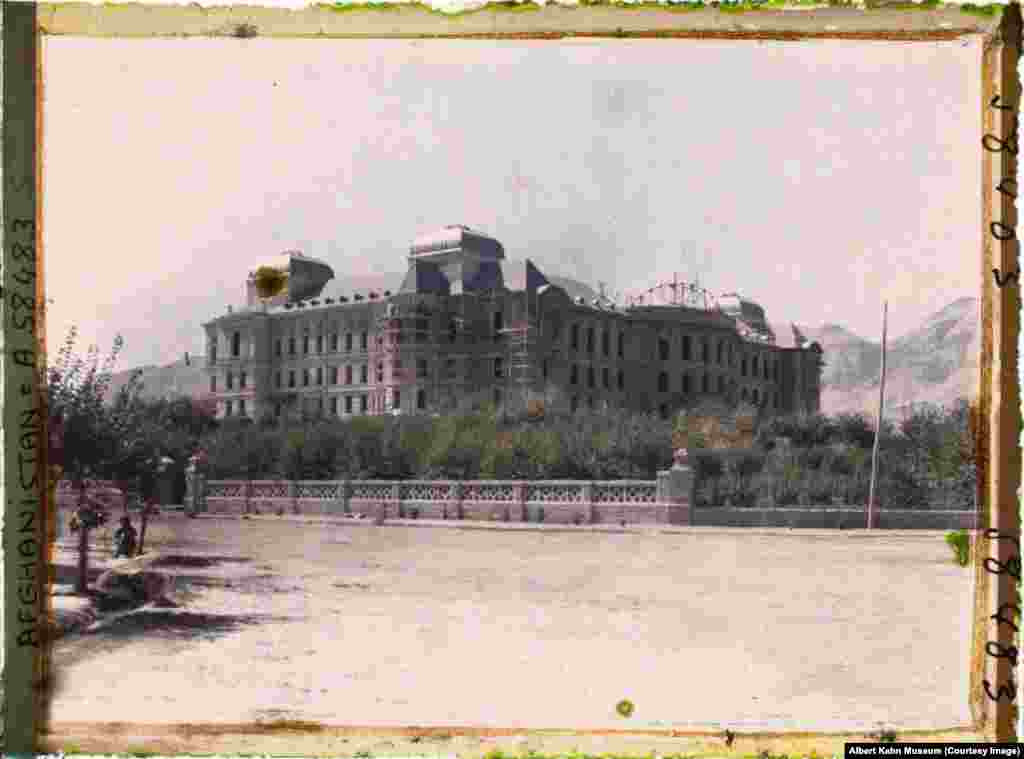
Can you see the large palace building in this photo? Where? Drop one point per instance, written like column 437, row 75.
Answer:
column 467, row 326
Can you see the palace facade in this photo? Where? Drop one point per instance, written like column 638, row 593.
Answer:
column 466, row 325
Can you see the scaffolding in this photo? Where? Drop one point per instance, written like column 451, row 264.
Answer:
column 522, row 367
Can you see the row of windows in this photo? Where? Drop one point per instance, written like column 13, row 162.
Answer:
column 229, row 382
column 334, row 343
column 574, row 341
column 574, row 377
column 706, row 386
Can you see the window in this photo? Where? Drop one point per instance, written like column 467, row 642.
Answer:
column 574, row 337
column 721, row 351
column 574, row 403
column 363, row 341
column 663, row 349
column 544, row 368
column 348, row 375
column 396, row 399
column 590, row 339
column 421, row 367
column 721, row 383
column 753, row 371
column 319, row 343
column 687, row 348
column 705, row 351
column 277, row 347
column 348, row 342
column 450, row 368
column 499, row 322
column 334, row 405
column 277, row 380
column 590, row 403
column 622, row 346
column 497, row 396
column 662, row 382
column 334, row 375
column 605, row 342
column 380, row 372
column 236, row 344
column 421, row 399
column 291, row 346
column 363, row 403
column 348, row 404
column 499, row 368
column 663, row 410
column 241, row 407
column 452, row 330
column 305, row 377
column 334, row 342
column 242, row 380
column 305, row 344
column 277, row 410
column 590, row 376
column 213, row 384
column 230, row 380
column 743, row 394
column 319, row 375
column 755, row 396
column 767, row 374
column 227, row 408
column 364, row 372
column 704, row 383
column 574, row 375
column 622, row 380
column 686, row 383
column 291, row 379
column 605, row 380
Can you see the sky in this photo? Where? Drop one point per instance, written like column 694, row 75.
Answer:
column 816, row 178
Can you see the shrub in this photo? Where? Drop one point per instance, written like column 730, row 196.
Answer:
column 960, row 542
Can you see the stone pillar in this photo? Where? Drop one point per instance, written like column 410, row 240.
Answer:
column 675, row 487
column 345, row 493
column 519, row 495
column 587, row 507
column 458, row 489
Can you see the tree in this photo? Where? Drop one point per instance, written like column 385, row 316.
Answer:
column 99, row 439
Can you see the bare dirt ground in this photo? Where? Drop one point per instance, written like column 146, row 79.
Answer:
column 396, row 626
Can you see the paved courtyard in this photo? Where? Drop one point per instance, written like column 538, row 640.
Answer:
column 385, row 626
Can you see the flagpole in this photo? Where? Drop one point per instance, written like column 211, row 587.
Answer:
column 878, row 426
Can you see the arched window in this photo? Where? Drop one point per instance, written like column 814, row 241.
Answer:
column 663, row 382
column 663, row 349
column 236, row 344
column 421, row 399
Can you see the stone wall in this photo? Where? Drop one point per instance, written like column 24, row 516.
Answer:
column 665, row 501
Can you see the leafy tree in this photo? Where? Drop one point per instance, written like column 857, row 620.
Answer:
column 100, row 440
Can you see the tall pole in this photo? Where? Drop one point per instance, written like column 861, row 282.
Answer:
column 878, row 425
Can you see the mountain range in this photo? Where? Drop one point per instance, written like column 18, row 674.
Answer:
column 935, row 363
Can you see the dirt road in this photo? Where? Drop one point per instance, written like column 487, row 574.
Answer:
column 367, row 625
